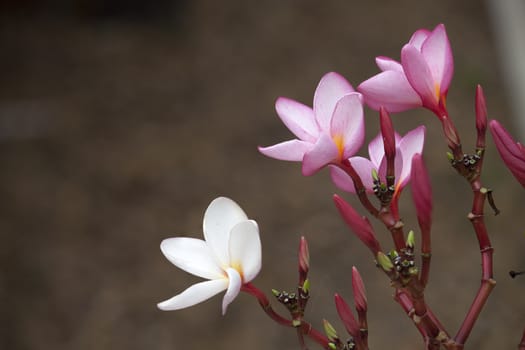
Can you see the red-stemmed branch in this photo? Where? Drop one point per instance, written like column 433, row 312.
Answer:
column 305, row 328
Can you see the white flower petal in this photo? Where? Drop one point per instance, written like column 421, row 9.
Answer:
column 234, row 287
column 195, row 294
column 192, row 255
column 220, row 217
column 245, row 249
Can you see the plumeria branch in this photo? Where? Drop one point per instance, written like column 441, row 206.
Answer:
column 304, row 327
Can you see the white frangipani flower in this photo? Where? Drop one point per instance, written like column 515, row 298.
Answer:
column 229, row 256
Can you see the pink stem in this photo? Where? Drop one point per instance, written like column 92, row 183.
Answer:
column 360, row 189
column 487, row 282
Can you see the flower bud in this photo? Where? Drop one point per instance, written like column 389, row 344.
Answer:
column 359, row 291
column 346, row 316
column 411, row 240
column 358, row 224
column 512, row 153
column 481, row 114
column 387, row 132
column 330, row 331
column 384, row 261
column 304, row 260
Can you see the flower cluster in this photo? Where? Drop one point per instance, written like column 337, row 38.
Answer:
column 330, row 134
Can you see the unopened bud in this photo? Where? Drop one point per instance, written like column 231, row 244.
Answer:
column 375, row 175
column 346, row 316
column 304, row 260
column 358, row 224
column 411, row 239
column 330, row 331
column 512, row 153
column 275, row 292
column 332, row 346
column 388, row 134
column 450, row 156
column 481, row 111
column 359, row 291
column 306, row 286
column 384, row 261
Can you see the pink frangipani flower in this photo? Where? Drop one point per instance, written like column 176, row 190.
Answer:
column 406, row 148
column 333, row 130
column 421, row 79
column 229, row 256
column 512, row 153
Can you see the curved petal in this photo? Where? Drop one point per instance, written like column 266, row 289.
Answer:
column 245, row 249
column 437, row 52
column 192, row 255
column 220, row 217
column 323, row 152
column 292, row 150
column 418, row 38
column 234, row 287
column 330, row 89
column 195, row 294
column 419, row 76
column 376, row 150
column 348, row 123
column 409, row 145
column 298, row 118
column 362, row 166
column 391, row 90
column 386, row 63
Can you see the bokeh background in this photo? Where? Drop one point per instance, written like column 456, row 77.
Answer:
column 121, row 120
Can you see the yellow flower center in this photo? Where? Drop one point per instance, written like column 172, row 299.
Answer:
column 339, row 143
column 437, row 91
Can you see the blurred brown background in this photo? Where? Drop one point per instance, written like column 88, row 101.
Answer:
column 121, row 120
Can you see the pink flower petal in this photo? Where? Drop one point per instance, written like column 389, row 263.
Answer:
column 409, row 145
column 330, row 89
column 292, row 150
column 391, row 90
column 348, row 123
column 386, row 63
column 376, row 150
column 193, row 256
column 234, row 287
column 418, row 38
column 362, row 166
column 419, row 76
column 195, row 294
column 323, row 152
column 437, row 52
column 245, row 249
column 341, row 179
column 298, row 118
column 220, row 217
